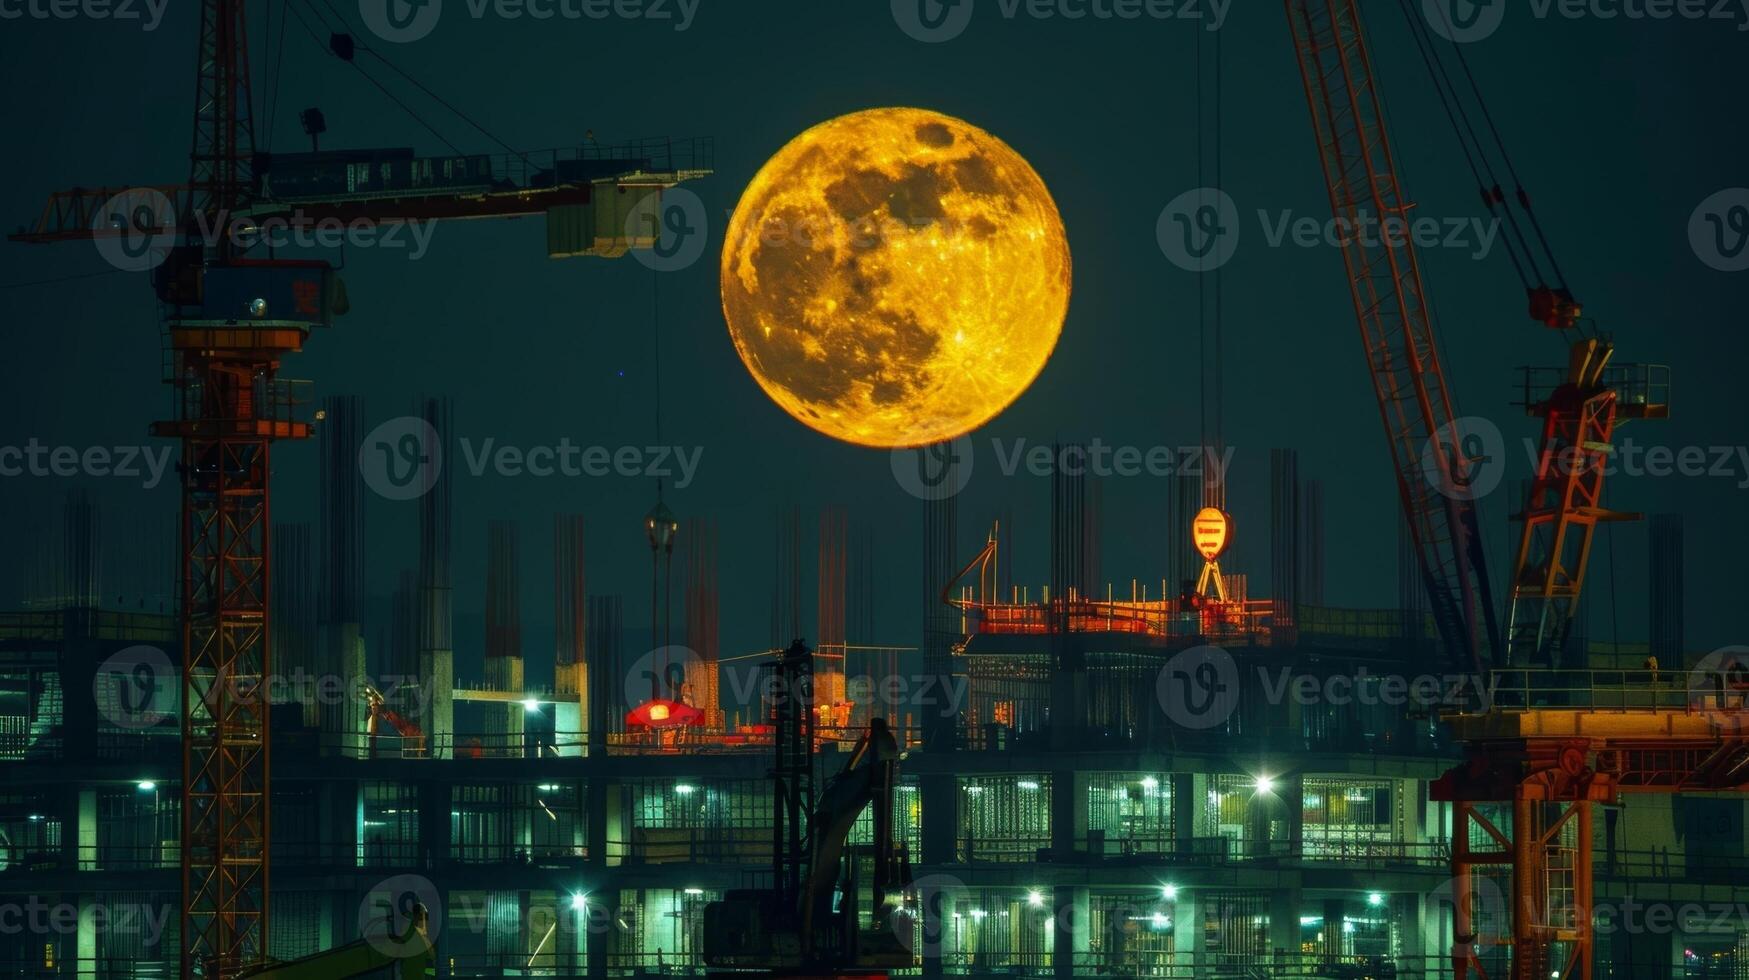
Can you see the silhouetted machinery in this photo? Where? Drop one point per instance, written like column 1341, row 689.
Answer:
column 810, row 922
column 386, row 953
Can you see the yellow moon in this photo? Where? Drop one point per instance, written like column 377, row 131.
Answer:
column 895, row 277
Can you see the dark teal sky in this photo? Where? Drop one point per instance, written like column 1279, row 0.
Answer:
column 1620, row 128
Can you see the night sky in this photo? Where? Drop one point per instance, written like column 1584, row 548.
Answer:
column 1620, row 128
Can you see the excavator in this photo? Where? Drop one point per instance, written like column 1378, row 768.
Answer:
column 379, row 956
column 808, row 924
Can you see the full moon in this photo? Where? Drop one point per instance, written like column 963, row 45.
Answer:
column 895, row 277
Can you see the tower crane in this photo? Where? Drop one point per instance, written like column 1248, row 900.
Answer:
column 1550, row 755
column 229, row 319
column 1579, row 405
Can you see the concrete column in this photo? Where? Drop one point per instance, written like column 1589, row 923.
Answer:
column 1187, row 926
column 1335, row 910
column 1068, row 703
column 600, row 919
column 437, row 698
column 595, row 796
column 1069, row 789
column 1292, row 793
column 86, row 967
column 87, row 830
column 503, row 735
column 938, row 899
column 570, row 937
column 1284, row 923
column 434, row 823
column 341, row 805
column 344, row 714
column 1412, row 911
column 568, row 716
column 940, row 818
column 1071, row 929
column 1186, row 805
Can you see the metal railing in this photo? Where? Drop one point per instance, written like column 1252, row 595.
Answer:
column 1643, row 689
column 714, row 845
column 1640, row 389
column 679, row 155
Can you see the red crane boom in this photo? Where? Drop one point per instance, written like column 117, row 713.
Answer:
column 1396, row 325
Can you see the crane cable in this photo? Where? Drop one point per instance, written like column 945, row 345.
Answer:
column 380, row 86
column 1487, row 182
column 367, row 76
column 1528, row 259
column 278, row 72
column 421, row 86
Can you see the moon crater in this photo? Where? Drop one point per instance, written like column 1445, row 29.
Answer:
column 895, row 277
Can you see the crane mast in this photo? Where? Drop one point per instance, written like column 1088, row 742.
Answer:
column 230, row 410
column 1430, row 463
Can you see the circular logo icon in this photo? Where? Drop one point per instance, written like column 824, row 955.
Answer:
column 1199, row 687
column 673, row 673
column 1464, row 21
column 1719, row 230
column 135, row 229
column 137, row 687
column 924, row 920
column 401, row 458
column 1718, row 687
column 400, row 21
column 674, row 225
column 1484, row 904
column 1199, row 229
column 1465, row 459
column 401, row 916
column 932, row 21
column 934, row 472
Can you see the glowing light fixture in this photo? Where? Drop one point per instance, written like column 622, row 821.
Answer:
column 684, row 790
column 530, row 704
column 1265, row 784
column 664, row 713
column 1169, row 892
column 695, row 891
column 1035, row 899
column 1150, row 783
column 147, row 786
column 579, row 902
column 1027, row 784
column 1375, row 900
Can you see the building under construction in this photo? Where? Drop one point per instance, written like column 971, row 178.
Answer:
column 1097, row 782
